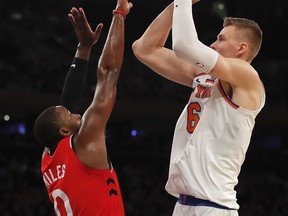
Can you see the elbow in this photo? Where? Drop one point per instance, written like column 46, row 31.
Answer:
column 179, row 49
column 139, row 49
column 187, row 51
column 107, row 65
column 176, row 50
column 136, row 49
column 108, row 72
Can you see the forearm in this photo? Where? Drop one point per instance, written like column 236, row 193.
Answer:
column 156, row 34
column 74, row 85
column 75, row 82
column 112, row 55
column 108, row 71
column 185, row 39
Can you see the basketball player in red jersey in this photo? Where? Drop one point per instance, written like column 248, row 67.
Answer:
column 79, row 178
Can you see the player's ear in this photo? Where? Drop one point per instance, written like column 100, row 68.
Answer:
column 64, row 132
column 242, row 48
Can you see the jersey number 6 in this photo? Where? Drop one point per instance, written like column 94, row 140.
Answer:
column 192, row 116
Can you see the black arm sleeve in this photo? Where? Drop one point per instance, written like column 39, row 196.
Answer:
column 74, row 85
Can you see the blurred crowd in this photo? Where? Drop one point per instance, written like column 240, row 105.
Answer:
column 38, row 45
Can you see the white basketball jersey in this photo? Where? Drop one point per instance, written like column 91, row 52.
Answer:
column 210, row 141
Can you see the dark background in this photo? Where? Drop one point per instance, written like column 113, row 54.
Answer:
column 38, row 44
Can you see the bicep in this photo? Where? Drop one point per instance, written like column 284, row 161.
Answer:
column 95, row 118
column 90, row 143
column 234, row 71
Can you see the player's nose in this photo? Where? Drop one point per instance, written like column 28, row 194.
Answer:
column 77, row 116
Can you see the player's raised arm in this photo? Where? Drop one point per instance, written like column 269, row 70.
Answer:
column 90, row 142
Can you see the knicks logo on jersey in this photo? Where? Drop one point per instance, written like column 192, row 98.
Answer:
column 202, row 86
column 203, row 92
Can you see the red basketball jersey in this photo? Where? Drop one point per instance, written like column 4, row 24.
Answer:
column 76, row 189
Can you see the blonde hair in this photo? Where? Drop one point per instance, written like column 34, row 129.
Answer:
column 251, row 31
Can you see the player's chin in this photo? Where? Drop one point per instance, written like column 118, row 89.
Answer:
column 76, row 127
column 79, row 125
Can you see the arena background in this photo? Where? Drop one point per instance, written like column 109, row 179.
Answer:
column 37, row 46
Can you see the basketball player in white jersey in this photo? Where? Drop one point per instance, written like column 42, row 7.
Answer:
column 213, row 132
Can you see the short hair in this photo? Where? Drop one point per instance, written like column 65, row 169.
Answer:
column 252, row 32
column 46, row 127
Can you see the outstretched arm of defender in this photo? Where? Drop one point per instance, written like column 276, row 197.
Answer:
column 90, row 144
column 75, row 82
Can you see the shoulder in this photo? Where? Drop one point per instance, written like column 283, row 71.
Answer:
column 236, row 71
column 45, row 151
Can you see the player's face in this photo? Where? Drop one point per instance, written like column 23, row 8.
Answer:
column 70, row 121
column 227, row 44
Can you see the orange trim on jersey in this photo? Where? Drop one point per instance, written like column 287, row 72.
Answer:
column 225, row 96
column 209, row 81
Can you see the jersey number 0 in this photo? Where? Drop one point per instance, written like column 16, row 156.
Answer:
column 60, row 194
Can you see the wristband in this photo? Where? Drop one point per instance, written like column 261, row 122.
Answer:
column 119, row 12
